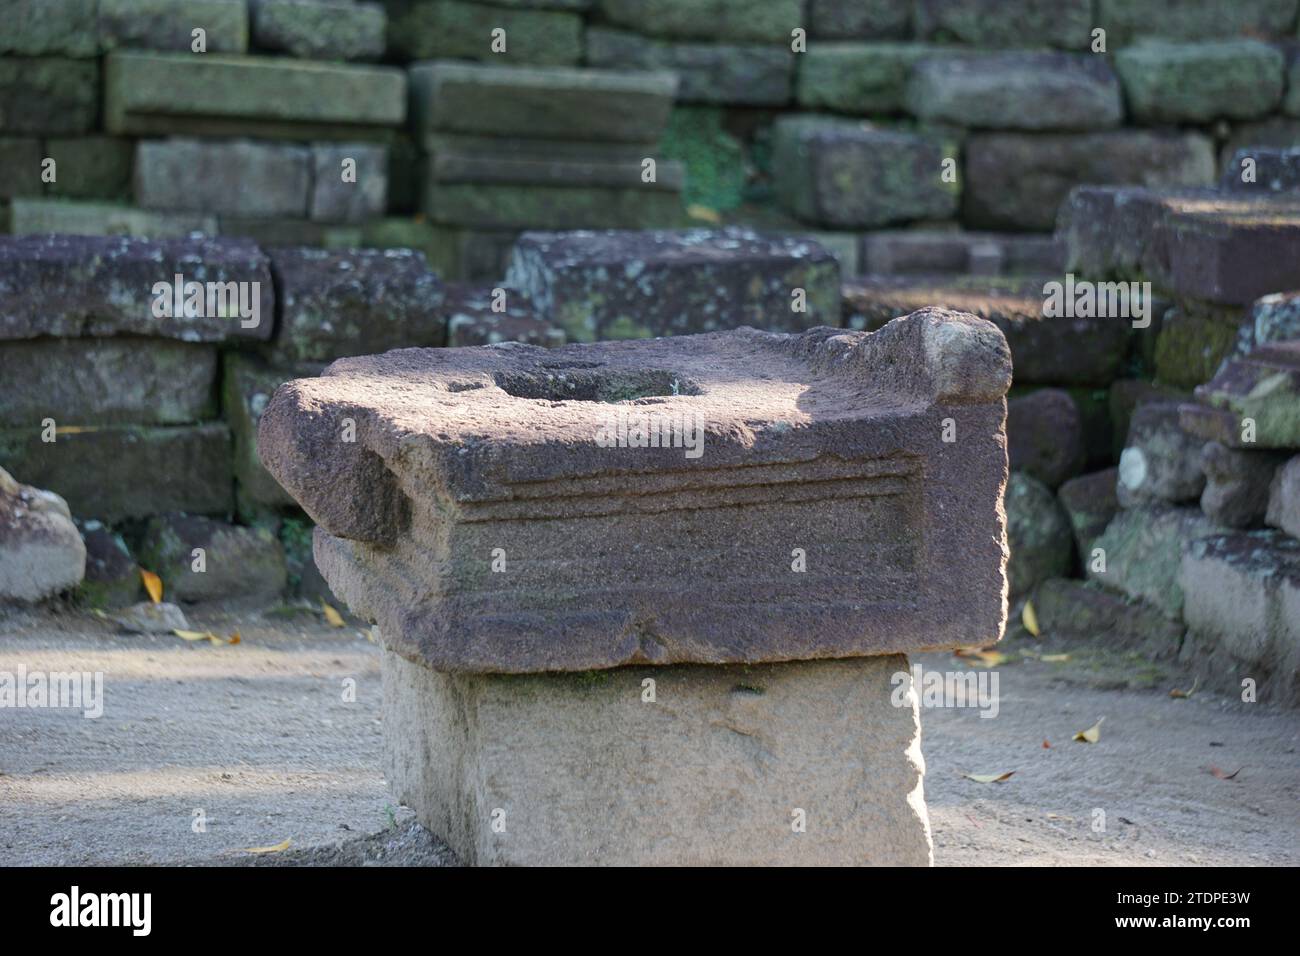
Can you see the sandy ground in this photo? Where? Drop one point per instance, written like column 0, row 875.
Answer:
column 259, row 738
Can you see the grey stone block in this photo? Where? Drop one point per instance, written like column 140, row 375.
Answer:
column 1161, row 461
column 353, row 302
column 1143, row 548
column 113, row 381
column 1090, row 502
column 31, row 217
column 171, row 94
column 100, row 286
column 233, row 178
column 1236, row 484
column 1262, row 169
column 1200, row 82
column 41, row 552
column 555, row 770
column 758, row 21
column 349, row 182
column 1045, row 436
column 1038, row 534
column 858, row 19
column 1066, row 24
column 170, row 25
column 1284, row 498
column 91, row 167
column 1017, row 91
column 49, row 28
column 245, row 564
column 1129, row 21
column 320, row 31
column 842, row 175
column 750, row 75
column 48, row 95
column 463, row 30
column 554, row 103
column 118, row 472
column 858, row 78
column 599, row 285
column 21, row 160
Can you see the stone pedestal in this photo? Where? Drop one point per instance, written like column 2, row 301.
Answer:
column 812, row 508
column 583, row 769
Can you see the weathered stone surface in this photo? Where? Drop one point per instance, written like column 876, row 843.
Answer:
column 1263, row 387
column 70, row 217
column 149, row 618
column 1214, row 247
column 247, row 385
column 1038, row 534
column 1082, row 610
column 1143, row 549
column 496, row 206
column 106, row 381
column 235, row 562
column 759, row 21
column 935, row 252
column 170, row 94
column 1272, row 318
column 463, row 30
column 112, row 577
column 1089, row 501
column 48, row 96
column 49, row 28
column 1274, row 132
column 602, row 285
column 320, row 31
column 553, row 751
column 1018, row 181
column 170, row 25
column 234, row 178
column 471, row 254
column 472, row 319
column 748, row 75
column 1160, row 462
column 1284, row 498
column 21, row 161
column 858, row 78
column 354, row 302
column 1126, row 21
column 1236, row 484
column 1193, row 342
column 1200, row 82
column 1291, row 102
column 1046, row 350
column 1262, row 169
column 361, row 196
column 1045, row 436
column 128, row 471
column 858, row 19
column 100, row 286
column 823, row 167
column 475, row 159
column 41, row 552
column 1242, row 609
column 1125, row 395
column 1023, row 91
column 271, row 233
column 823, row 434
column 1066, row 24
column 91, row 167
column 560, row 104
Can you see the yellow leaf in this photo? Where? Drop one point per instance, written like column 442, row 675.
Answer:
column 696, row 211
column 269, row 849
column 1184, row 694
column 334, row 618
column 983, row 658
column 193, row 635
column 235, row 638
column 152, row 584
column 1029, row 618
column 989, row 777
column 1091, row 735
column 1054, row 658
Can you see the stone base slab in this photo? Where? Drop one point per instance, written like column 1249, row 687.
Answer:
column 581, row 769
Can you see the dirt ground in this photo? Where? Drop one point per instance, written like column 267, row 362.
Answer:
column 258, row 743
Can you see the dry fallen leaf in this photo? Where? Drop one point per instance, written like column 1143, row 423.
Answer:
column 269, row 849
column 696, row 211
column 235, row 638
column 1046, row 745
column 1219, row 774
column 193, row 635
column 332, row 616
column 1184, row 694
column 988, row 777
column 1091, row 735
column 1054, row 658
column 1029, row 619
column 982, row 657
column 152, row 584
